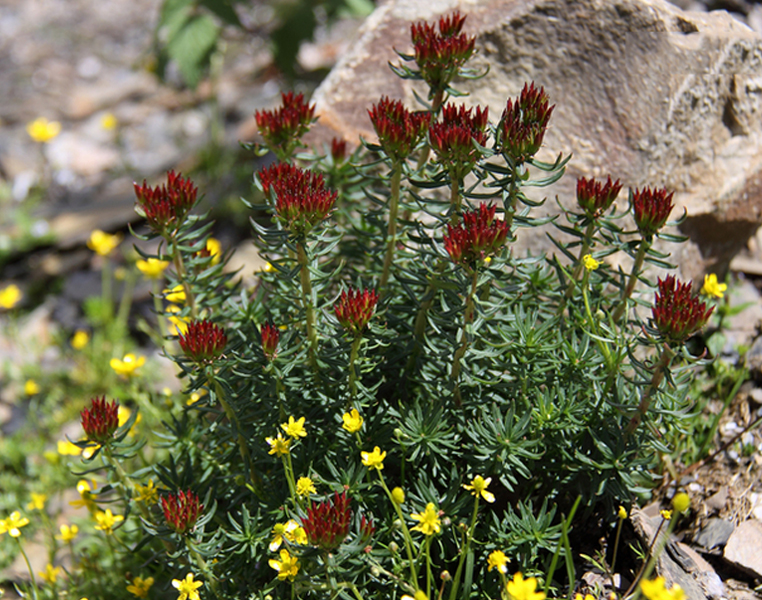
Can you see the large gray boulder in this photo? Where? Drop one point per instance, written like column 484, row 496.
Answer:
column 644, row 91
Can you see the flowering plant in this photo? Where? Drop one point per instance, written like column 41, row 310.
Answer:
column 402, row 405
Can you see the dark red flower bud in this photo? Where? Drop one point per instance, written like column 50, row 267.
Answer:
column 203, row 341
column 270, row 338
column 676, row 312
column 398, row 129
column 523, row 124
column 327, row 524
column 651, row 209
column 439, row 55
column 478, row 236
column 283, row 128
column 355, row 309
column 594, row 197
column 166, row 205
column 452, row 138
column 181, row 511
column 367, row 529
column 100, row 421
column 338, row 151
column 301, row 198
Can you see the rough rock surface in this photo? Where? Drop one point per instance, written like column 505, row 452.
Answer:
column 644, row 91
column 743, row 547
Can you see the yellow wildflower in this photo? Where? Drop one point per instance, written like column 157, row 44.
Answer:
column 419, row 595
column 290, row 530
column 373, row 460
column 428, row 520
column 79, row 339
column 478, row 487
column 681, row 502
column 128, row 365
column 352, row 421
column 41, row 130
column 398, row 495
column 622, row 513
column 178, row 325
column 147, row 493
column 68, row 533
column 103, row 243
column 152, row 268
column 86, row 497
column 106, row 521
column 278, row 445
column 712, row 287
column 10, row 296
column 139, row 586
column 666, row 514
column 287, row 566
column 109, row 122
column 37, row 502
column 187, row 587
column 657, row 590
column 176, row 294
column 31, row 388
column 50, row 574
column 498, row 560
column 214, row 248
column 67, row 448
column 585, row 597
column 293, row 428
column 305, row 487
column 13, row 524
column 590, row 263
column 523, row 589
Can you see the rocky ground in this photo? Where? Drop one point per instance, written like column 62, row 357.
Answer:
column 88, row 65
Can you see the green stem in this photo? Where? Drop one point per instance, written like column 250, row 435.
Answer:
column 35, row 591
column 603, row 346
column 202, row 566
column 428, row 566
column 391, row 233
column 455, row 201
column 616, row 547
column 242, row 446
column 177, row 261
column 125, row 303
column 586, row 241
column 106, row 294
column 636, row 267
column 127, row 484
column 645, row 401
column 461, row 351
column 288, row 467
column 421, row 317
column 645, row 571
column 159, row 310
column 464, row 553
column 304, row 273
column 405, row 532
column 352, row 371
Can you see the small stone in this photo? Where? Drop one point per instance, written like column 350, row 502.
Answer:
column 714, row 534
column 742, row 549
column 716, row 502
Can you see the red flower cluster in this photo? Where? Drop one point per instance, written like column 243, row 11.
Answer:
column 338, row 151
column 301, row 198
column 355, row 309
column 439, row 55
column 651, row 209
column 283, row 127
column 452, row 138
column 327, row 524
column 398, row 129
column 594, row 197
column 523, row 124
column 676, row 312
column 101, row 420
column 168, row 204
column 270, row 338
column 181, row 510
column 367, row 528
column 479, row 235
column 203, row 341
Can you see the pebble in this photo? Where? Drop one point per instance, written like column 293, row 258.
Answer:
column 715, row 533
